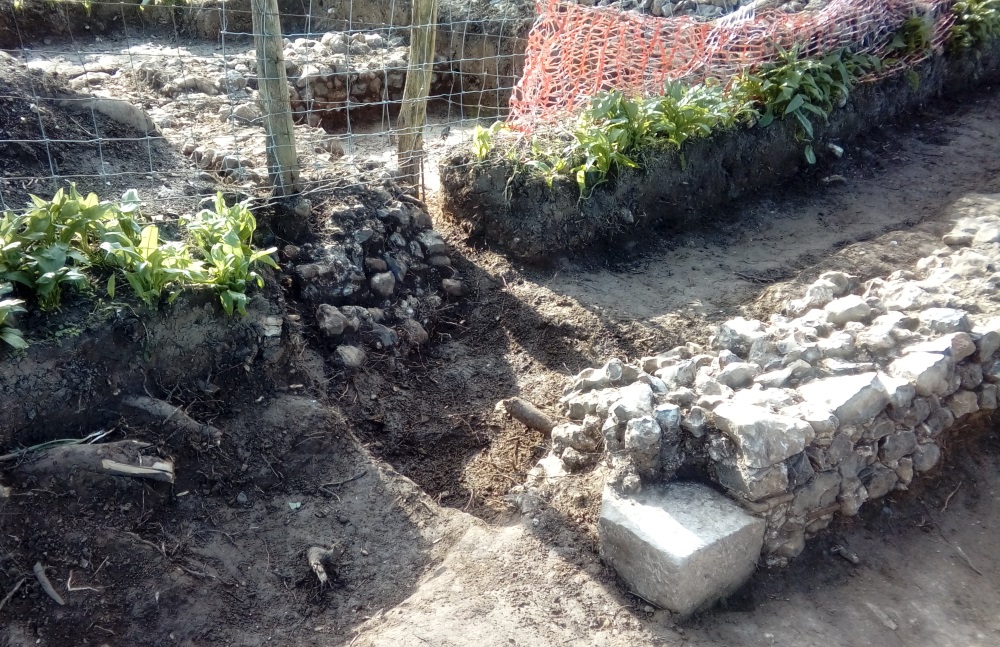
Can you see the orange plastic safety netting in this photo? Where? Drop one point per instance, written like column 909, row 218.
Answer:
column 574, row 51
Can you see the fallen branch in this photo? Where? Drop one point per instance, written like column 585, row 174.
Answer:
column 90, row 438
column 46, row 585
column 953, row 493
column 121, row 458
column 14, row 590
column 71, row 588
column 171, row 417
column 529, row 415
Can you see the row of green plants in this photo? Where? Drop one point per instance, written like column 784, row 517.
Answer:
column 617, row 131
column 72, row 242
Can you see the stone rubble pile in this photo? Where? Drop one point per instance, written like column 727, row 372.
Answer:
column 841, row 399
column 378, row 279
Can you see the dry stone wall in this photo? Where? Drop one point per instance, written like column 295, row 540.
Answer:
column 845, row 396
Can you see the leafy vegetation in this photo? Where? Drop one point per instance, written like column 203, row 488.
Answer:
column 57, row 245
column 977, row 22
column 616, row 131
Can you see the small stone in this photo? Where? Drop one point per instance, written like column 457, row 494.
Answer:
column 453, row 287
column 752, row 484
column 852, row 496
column 904, row 470
column 245, row 113
column 242, row 498
column 351, row 356
column 415, row 332
column 668, row 416
column 635, row 401
column 846, row 309
column 383, row 284
column 575, row 436
column 383, row 336
column 330, row 320
column 926, row 457
column 957, row 346
column 576, row 461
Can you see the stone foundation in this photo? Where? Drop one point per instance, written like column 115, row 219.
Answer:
column 848, row 394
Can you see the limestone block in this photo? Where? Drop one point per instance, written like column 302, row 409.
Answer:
column 682, row 546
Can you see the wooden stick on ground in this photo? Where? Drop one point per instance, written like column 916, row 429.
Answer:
column 46, row 585
column 171, row 417
column 14, row 590
column 529, row 415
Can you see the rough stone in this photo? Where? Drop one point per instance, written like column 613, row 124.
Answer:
column 970, row 375
column 897, row 445
column 752, row 484
column 415, row 332
column 738, row 375
column 820, row 492
column 853, row 399
column 852, row 496
column 454, row 287
column 963, row 403
column 987, row 345
column 904, row 470
column 945, row 320
column 635, row 401
column 988, row 396
column 958, row 346
column 668, row 416
column 694, row 422
column 847, row 309
column 642, row 442
column 330, row 320
column 575, row 436
column 763, row 438
column 928, row 372
column 682, row 546
column 383, row 284
column 738, row 335
column 351, row 356
column 878, row 480
column 576, row 461
column 800, row 470
column 926, row 457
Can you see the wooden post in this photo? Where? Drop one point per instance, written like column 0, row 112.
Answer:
column 413, row 114
column 272, row 84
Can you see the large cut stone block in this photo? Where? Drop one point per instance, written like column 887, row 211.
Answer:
column 681, row 546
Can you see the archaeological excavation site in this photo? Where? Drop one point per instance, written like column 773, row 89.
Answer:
column 440, row 323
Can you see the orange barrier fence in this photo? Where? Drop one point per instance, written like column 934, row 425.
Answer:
column 574, row 51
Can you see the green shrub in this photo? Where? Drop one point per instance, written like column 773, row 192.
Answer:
column 8, row 333
column 977, row 22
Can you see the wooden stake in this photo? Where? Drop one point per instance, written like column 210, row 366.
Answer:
column 413, row 114
column 272, row 85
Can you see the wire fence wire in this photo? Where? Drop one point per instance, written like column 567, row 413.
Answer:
column 165, row 99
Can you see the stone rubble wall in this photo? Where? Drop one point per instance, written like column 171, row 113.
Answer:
column 845, row 396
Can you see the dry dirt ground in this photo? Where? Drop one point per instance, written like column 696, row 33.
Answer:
column 406, row 464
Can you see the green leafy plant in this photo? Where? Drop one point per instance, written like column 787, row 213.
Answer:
column 8, row 307
column 482, row 139
column 803, row 89
column 151, row 267
column 914, row 36
column 222, row 238
column 977, row 22
column 46, row 247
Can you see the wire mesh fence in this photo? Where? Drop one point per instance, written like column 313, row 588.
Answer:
column 167, row 98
